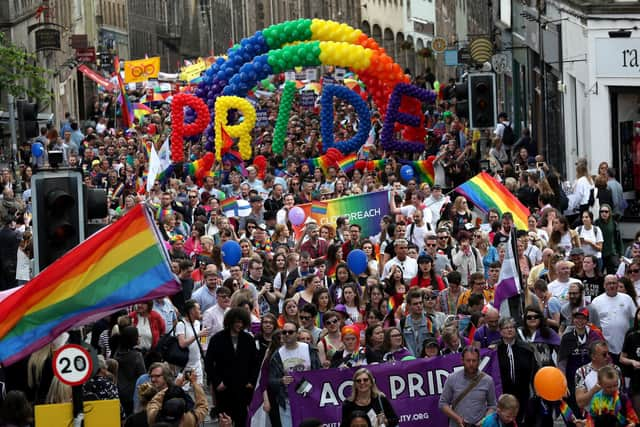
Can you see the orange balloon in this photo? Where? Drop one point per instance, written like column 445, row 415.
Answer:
column 550, row 383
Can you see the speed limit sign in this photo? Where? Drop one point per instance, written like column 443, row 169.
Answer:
column 72, row 364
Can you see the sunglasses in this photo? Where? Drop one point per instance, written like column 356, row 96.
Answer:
column 536, row 317
column 305, row 317
column 362, row 380
column 288, row 332
column 604, row 211
column 331, row 322
column 430, row 297
column 635, row 270
column 431, row 245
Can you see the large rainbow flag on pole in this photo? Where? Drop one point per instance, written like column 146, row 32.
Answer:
column 485, row 193
column 120, row 265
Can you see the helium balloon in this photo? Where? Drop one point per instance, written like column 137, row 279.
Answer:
column 357, row 261
column 550, row 384
column 296, row 215
column 406, row 172
column 37, row 149
column 231, row 252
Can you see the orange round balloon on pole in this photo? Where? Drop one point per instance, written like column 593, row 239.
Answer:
column 550, row 383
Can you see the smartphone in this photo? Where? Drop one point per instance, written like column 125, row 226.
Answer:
column 539, row 165
column 517, row 168
column 484, row 164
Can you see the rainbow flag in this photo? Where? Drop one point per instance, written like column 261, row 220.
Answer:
column 485, row 193
column 566, row 412
column 140, row 110
column 319, row 207
column 321, row 162
column 348, row 163
column 424, row 169
column 122, row 264
column 123, row 99
column 229, row 205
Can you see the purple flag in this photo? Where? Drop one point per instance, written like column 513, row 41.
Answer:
column 509, row 280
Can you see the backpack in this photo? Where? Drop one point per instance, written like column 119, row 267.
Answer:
column 508, row 138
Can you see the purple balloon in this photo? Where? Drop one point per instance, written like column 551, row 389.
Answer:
column 296, row 215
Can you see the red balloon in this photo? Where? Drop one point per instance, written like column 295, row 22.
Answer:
column 179, row 128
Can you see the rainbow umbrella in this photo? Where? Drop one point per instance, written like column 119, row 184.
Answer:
column 157, row 97
column 354, row 83
column 314, row 86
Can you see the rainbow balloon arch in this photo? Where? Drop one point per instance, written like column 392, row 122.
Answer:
column 302, row 43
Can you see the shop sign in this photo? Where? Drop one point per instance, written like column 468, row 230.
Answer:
column 618, row 57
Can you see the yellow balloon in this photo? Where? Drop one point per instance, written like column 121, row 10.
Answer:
column 241, row 131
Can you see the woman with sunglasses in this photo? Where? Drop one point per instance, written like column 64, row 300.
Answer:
column 427, row 276
column 393, row 346
column 367, row 398
column 612, row 242
column 332, row 341
column 544, row 341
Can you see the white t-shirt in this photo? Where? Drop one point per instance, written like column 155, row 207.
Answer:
column 616, row 314
column 419, row 233
column 559, row 289
column 408, row 210
column 409, row 268
column 144, row 332
column 296, row 360
column 593, row 235
column 184, row 328
column 583, row 190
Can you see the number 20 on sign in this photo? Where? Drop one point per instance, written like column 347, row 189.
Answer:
column 72, row 365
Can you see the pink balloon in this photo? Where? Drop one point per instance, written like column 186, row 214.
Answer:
column 296, row 215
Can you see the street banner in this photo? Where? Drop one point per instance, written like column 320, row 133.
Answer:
column 98, row 78
column 413, row 388
column 141, row 69
column 365, row 210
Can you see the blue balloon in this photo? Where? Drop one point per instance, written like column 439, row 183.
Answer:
column 357, row 261
column 231, row 252
column 406, row 172
column 37, row 149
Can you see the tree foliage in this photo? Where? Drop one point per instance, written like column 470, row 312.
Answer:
column 19, row 74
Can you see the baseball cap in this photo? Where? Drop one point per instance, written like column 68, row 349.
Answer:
column 581, row 311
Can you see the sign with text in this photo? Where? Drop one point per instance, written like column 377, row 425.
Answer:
column 47, row 39
column 413, row 388
column 618, row 57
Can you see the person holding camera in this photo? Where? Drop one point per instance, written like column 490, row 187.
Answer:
column 175, row 407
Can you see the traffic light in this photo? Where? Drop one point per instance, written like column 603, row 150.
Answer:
column 482, row 97
column 95, row 209
column 27, row 120
column 58, row 214
column 461, row 93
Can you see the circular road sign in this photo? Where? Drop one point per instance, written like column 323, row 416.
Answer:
column 72, row 364
column 439, row 44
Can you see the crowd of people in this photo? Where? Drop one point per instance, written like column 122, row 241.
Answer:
column 293, row 304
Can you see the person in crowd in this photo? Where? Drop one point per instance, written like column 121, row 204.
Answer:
column 469, row 394
column 616, row 312
column 506, row 413
column 517, row 364
column 611, row 241
column 416, row 327
column 131, row 365
column 331, row 342
column 587, row 375
column 232, row 365
column 150, row 325
column 174, row 406
column 368, row 399
column 293, row 356
column 189, row 333
column 609, row 406
column 630, row 359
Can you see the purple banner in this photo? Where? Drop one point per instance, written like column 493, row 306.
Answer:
column 413, row 387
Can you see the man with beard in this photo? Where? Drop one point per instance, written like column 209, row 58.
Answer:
column 576, row 301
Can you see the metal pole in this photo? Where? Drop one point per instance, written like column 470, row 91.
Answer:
column 12, row 131
column 543, row 71
column 75, row 337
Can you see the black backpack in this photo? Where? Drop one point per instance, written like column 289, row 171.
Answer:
column 508, row 137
